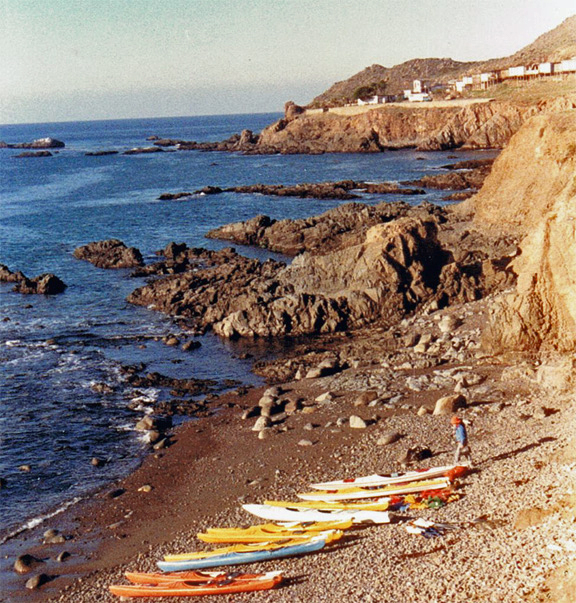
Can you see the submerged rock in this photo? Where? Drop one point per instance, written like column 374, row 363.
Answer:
column 28, row 154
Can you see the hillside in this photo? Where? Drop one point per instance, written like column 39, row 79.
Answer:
column 555, row 45
column 397, row 78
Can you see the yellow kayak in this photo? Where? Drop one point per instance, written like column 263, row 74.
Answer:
column 373, row 492
column 271, row 532
column 380, row 505
column 330, row 536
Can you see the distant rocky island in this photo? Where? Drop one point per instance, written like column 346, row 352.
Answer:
column 40, row 143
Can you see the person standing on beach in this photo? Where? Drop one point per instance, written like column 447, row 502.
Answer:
column 461, row 437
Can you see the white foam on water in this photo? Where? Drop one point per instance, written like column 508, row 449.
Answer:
column 124, row 427
column 147, row 395
column 36, row 521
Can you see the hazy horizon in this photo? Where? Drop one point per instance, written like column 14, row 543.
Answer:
column 83, row 60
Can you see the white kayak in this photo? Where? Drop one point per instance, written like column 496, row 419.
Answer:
column 274, row 513
column 381, row 504
column 375, row 491
column 384, row 480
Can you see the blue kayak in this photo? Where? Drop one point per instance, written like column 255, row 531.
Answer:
column 311, row 546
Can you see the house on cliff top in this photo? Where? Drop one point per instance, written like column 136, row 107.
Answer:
column 418, row 94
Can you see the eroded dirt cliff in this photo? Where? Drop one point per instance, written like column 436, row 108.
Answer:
column 532, row 192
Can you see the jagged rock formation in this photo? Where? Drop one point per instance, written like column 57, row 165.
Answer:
column 359, row 265
column 462, row 175
column 341, row 190
column 45, row 284
column 336, row 228
column 532, row 192
column 111, row 253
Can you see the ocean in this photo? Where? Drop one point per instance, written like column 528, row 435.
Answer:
column 54, row 349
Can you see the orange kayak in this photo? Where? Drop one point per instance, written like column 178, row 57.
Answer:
column 189, row 588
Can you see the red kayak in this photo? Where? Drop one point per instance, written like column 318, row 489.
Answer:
column 199, row 585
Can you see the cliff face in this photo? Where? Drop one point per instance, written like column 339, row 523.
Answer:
column 532, row 191
column 480, row 126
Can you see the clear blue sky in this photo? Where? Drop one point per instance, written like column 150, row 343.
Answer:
column 96, row 59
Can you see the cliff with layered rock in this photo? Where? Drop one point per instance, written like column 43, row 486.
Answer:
column 532, row 192
column 475, row 126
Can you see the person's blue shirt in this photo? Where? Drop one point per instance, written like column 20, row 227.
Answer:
column 460, row 434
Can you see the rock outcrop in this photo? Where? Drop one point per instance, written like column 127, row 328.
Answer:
column 31, row 154
column 532, row 192
column 40, row 143
column 457, row 178
column 341, row 190
column 111, row 253
column 44, row 284
column 340, row 226
column 359, row 265
column 477, row 126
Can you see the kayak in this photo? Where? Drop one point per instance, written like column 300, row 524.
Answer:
column 315, row 544
column 270, row 532
column 384, row 480
column 187, row 588
column 372, row 492
column 318, row 526
column 195, row 576
column 330, row 536
column 380, row 505
column 273, row 513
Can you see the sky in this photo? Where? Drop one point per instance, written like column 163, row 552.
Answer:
column 64, row 60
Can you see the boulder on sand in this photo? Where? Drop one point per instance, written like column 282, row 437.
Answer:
column 449, row 404
column 25, row 563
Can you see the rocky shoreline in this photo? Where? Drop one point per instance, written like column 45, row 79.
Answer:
column 416, row 312
column 475, row 126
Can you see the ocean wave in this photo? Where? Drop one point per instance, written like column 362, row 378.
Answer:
column 36, row 521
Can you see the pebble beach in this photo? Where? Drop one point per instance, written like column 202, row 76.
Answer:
column 514, row 534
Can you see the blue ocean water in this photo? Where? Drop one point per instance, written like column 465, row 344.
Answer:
column 53, row 349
